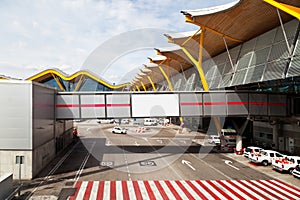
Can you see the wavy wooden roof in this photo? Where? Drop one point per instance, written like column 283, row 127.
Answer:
column 237, row 22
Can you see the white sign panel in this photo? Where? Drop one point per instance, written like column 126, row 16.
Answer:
column 155, row 105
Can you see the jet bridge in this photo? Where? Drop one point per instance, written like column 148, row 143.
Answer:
column 101, row 105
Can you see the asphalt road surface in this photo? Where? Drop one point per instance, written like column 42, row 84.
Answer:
column 141, row 164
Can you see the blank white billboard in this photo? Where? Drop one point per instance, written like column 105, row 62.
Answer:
column 156, row 105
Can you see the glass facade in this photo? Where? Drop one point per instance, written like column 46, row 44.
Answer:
column 87, row 85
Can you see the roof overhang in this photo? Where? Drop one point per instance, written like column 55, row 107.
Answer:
column 237, row 22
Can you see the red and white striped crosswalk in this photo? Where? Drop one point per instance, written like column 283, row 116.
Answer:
column 187, row 189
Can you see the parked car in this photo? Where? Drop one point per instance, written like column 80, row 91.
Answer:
column 125, row 121
column 287, row 164
column 265, row 157
column 214, row 139
column 296, row 171
column 251, row 149
column 105, row 121
column 119, row 130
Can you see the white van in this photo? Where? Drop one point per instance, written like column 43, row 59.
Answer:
column 150, row 122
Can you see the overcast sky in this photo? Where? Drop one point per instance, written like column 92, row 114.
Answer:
column 82, row 34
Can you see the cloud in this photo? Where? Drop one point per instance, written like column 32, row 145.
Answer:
column 62, row 34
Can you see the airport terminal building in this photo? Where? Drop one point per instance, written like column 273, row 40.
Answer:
column 247, row 45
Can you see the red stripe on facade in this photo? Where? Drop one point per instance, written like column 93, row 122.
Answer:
column 88, row 190
column 113, row 190
column 258, row 103
column 218, row 189
column 92, row 105
column 149, row 190
column 186, row 192
column 77, row 186
column 125, row 190
column 277, row 104
column 118, row 105
column 100, row 190
column 191, row 103
column 201, row 195
column 67, row 105
column 237, row 103
column 172, row 189
column 230, row 189
column 221, row 103
column 137, row 190
column 161, row 190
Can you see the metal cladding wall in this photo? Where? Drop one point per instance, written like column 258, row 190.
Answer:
column 166, row 104
column 92, row 106
column 27, row 115
column 191, row 104
column 43, row 105
column 118, row 105
column 16, row 115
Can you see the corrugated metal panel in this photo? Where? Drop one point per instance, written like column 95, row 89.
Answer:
column 215, row 82
column 177, row 85
column 277, row 105
column 265, row 39
column 15, row 118
column 237, row 104
column 67, row 106
column 294, row 68
column 275, row 70
column 210, row 72
column 258, row 104
column 254, row 74
column 278, row 51
column 92, row 106
column 43, row 115
column 290, row 30
column 214, row 104
column 228, row 68
column 248, row 46
column 219, row 70
column 118, row 106
column 191, row 104
column 226, row 79
column 260, row 56
column 239, row 77
column 244, row 61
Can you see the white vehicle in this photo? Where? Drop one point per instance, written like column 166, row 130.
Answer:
column 228, row 138
column 119, row 130
column 125, row 121
column 265, row 157
column 214, row 139
column 150, row 122
column 251, row 149
column 287, row 164
column 296, row 171
column 105, row 121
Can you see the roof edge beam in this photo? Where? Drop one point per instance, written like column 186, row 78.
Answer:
column 153, row 86
column 292, row 10
column 58, row 82
column 143, row 86
column 79, row 83
column 189, row 19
